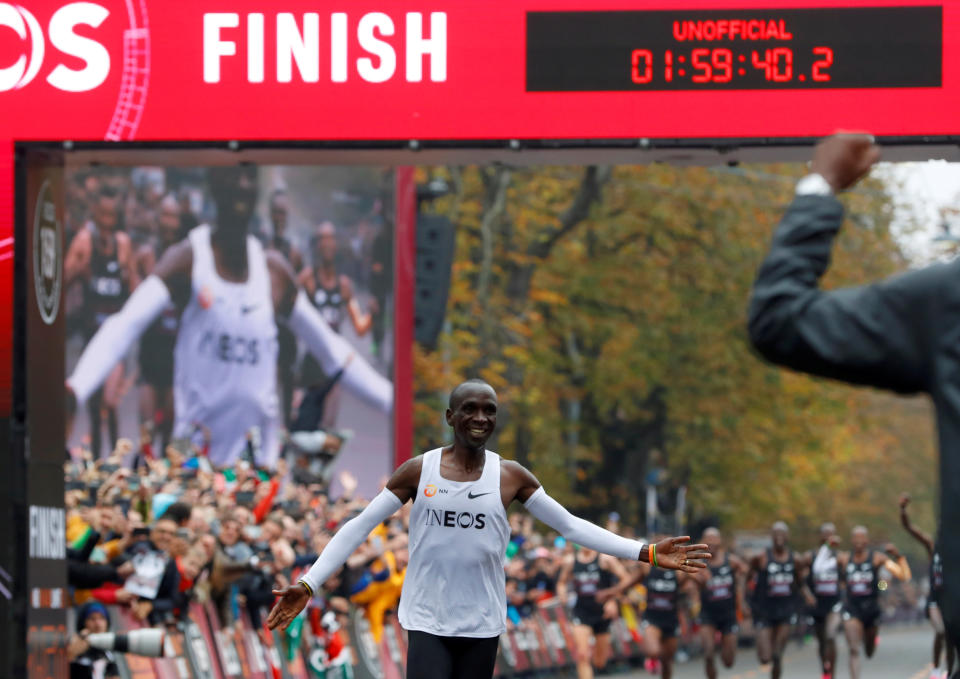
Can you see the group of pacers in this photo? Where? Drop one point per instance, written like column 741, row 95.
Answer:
column 838, row 589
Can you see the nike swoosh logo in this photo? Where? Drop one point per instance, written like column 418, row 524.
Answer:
column 471, row 496
column 248, row 309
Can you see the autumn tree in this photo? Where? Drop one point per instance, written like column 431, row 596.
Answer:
column 607, row 307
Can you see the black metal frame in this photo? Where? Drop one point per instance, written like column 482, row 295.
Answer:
column 13, row 482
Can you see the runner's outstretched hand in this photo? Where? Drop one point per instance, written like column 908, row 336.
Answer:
column 291, row 602
column 673, row 554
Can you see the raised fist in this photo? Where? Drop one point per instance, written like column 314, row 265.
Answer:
column 844, row 158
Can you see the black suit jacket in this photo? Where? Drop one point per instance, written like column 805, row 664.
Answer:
column 901, row 334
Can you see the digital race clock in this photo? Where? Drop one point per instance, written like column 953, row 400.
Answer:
column 869, row 47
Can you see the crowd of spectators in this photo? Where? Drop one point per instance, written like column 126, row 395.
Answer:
column 167, row 529
column 163, row 530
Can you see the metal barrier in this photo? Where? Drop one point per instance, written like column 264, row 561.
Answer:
column 200, row 647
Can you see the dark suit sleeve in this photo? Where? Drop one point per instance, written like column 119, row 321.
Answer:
column 879, row 335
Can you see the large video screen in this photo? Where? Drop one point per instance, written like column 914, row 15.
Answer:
column 273, row 346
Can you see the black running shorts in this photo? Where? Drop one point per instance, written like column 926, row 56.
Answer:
column 592, row 619
column 666, row 621
column 722, row 618
column 864, row 609
column 432, row 657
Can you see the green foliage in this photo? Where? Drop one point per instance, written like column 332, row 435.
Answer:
column 608, row 309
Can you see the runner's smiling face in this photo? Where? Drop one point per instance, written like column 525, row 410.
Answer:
column 473, row 414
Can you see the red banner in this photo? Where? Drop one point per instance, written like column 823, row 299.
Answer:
column 396, row 69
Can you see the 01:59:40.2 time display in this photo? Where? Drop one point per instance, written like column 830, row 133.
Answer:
column 723, row 65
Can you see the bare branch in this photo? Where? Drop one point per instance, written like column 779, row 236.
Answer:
column 593, row 181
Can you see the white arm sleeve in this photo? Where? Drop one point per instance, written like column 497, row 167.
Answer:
column 575, row 529
column 334, row 353
column 116, row 335
column 349, row 537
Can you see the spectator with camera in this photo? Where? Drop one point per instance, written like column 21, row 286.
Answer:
column 87, row 662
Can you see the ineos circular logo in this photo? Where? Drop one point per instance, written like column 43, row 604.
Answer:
column 61, row 33
column 47, row 254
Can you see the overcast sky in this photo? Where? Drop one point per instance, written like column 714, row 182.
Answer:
column 923, row 190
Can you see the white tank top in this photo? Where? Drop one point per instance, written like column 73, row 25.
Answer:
column 225, row 359
column 454, row 584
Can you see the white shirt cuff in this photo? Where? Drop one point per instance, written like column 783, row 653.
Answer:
column 814, row 185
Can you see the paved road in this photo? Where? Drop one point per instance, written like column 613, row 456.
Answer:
column 903, row 653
